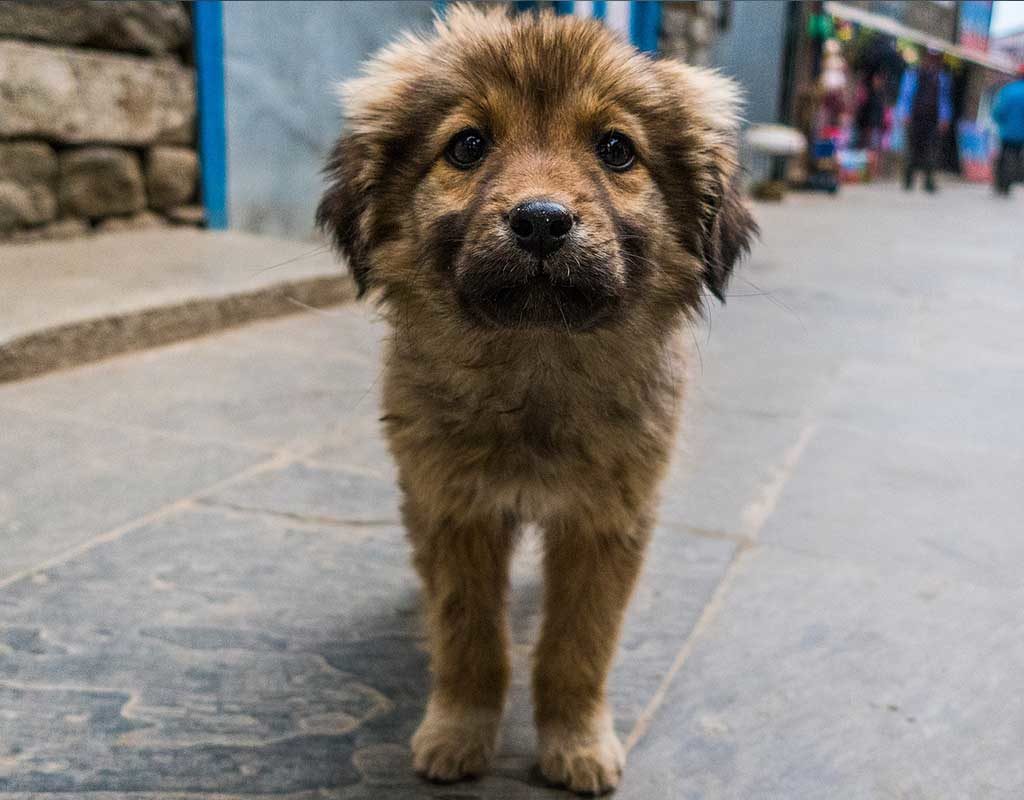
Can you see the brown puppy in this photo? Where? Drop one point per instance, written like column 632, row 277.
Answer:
column 539, row 207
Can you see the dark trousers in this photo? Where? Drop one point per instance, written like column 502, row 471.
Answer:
column 922, row 153
column 1009, row 166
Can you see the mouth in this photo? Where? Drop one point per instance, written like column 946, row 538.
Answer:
column 538, row 302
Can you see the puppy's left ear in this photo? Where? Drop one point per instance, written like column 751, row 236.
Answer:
column 727, row 238
column 699, row 174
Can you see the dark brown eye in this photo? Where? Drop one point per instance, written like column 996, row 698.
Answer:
column 466, row 148
column 616, row 151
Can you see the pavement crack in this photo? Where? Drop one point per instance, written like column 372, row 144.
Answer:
column 761, row 507
column 755, row 515
column 114, row 534
column 294, row 516
column 707, row 533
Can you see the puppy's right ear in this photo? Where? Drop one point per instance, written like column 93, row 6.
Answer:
column 383, row 109
column 343, row 210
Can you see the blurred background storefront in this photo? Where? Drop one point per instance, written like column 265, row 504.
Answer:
column 868, row 45
column 148, row 112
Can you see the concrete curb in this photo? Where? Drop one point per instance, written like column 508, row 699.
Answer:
column 92, row 339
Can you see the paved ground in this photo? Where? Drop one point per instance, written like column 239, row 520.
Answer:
column 204, row 591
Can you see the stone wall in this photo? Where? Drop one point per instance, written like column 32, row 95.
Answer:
column 97, row 117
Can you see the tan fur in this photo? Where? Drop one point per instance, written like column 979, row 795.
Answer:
column 494, row 427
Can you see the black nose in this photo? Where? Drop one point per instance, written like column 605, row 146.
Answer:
column 540, row 226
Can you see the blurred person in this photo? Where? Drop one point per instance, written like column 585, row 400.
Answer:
column 870, row 121
column 834, row 109
column 925, row 108
column 1008, row 113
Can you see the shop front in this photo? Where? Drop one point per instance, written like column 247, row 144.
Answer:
column 861, row 66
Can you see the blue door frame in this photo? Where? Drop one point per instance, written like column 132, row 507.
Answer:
column 645, row 25
column 208, row 19
column 644, row 18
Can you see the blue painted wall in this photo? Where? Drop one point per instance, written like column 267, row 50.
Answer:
column 282, row 60
column 752, row 51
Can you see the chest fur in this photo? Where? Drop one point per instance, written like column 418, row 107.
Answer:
column 533, row 432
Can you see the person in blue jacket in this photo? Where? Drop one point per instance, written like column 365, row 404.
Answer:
column 1008, row 113
column 925, row 108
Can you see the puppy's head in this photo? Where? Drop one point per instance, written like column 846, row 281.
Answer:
column 536, row 171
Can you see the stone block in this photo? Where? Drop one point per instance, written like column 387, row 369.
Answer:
column 27, row 175
column 79, row 97
column 151, row 26
column 23, row 206
column 134, row 222
column 101, row 181
column 66, row 228
column 28, row 162
column 187, row 215
column 171, row 176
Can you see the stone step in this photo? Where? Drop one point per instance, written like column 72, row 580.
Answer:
column 70, row 302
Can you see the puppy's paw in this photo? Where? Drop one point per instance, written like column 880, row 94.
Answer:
column 452, row 744
column 587, row 760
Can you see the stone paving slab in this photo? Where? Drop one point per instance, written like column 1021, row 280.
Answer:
column 344, row 497
column 300, row 377
column 892, row 502
column 820, row 678
column 210, row 667
column 356, row 443
column 955, row 405
column 713, row 478
column 64, row 482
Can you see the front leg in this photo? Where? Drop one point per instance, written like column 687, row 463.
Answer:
column 464, row 566
column 589, row 576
